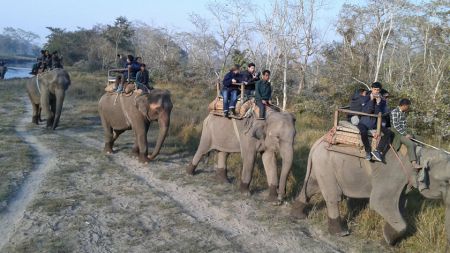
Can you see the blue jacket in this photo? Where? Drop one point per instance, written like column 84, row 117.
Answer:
column 135, row 67
column 227, row 80
column 371, row 107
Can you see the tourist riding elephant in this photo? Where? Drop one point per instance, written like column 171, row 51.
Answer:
column 47, row 92
column 3, row 70
column 337, row 174
column 250, row 136
column 120, row 113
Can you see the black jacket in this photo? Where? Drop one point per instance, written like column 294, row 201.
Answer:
column 249, row 79
column 227, row 84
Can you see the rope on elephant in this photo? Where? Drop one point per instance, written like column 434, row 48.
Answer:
column 431, row 146
column 37, row 83
column 405, row 171
column 237, row 134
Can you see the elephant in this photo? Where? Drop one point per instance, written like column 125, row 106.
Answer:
column 336, row 174
column 119, row 112
column 46, row 92
column 3, row 70
column 275, row 134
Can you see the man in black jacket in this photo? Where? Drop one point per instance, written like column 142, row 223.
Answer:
column 249, row 77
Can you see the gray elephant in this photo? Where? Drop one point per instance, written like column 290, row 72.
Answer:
column 47, row 91
column 120, row 113
column 336, row 175
column 275, row 134
column 3, row 70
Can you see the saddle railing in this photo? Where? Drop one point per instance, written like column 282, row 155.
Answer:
column 242, row 88
column 112, row 78
column 346, row 111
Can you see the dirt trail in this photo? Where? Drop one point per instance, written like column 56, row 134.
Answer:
column 236, row 221
column 16, row 208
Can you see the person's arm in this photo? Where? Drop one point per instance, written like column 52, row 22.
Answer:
column 397, row 122
column 227, row 80
column 258, row 89
column 138, row 78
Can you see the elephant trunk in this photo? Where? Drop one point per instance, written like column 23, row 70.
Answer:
column 287, row 154
column 164, row 122
column 60, row 93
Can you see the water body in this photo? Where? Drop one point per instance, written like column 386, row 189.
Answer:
column 19, row 70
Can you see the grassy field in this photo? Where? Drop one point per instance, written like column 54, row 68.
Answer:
column 425, row 218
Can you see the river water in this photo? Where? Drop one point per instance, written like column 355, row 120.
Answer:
column 19, row 70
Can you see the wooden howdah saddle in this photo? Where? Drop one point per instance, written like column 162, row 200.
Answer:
column 243, row 107
column 345, row 135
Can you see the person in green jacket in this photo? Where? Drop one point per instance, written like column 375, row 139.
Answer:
column 263, row 93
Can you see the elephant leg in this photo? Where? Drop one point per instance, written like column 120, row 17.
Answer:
column 203, row 148
column 135, row 150
column 310, row 187
column 332, row 195
column 45, row 104
column 141, row 137
column 40, row 113
column 386, row 202
column 270, row 166
column 35, row 118
column 221, row 171
column 107, row 136
column 247, row 171
column 286, row 153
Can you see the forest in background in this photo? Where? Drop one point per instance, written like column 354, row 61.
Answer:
column 402, row 44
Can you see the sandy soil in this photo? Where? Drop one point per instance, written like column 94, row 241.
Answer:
column 79, row 200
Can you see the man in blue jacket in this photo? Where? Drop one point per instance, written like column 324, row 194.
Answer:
column 230, row 90
column 373, row 104
column 132, row 68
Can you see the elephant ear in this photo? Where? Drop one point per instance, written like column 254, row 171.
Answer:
column 142, row 106
column 258, row 129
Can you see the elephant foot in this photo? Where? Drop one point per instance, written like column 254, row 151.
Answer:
column 221, row 176
column 190, row 170
column 391, row 236
column 108, row 148
column 143, row 158
column 35, row 120
column 244, row 188
column 135, row 152
column 49, row 123
column 273, row 194
column 335, row 227
column 298, row 210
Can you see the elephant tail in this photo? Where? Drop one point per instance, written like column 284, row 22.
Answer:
column 309, row 165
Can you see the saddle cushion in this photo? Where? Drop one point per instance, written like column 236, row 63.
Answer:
column 216, row 106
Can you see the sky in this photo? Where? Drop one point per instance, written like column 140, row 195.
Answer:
column 35, row 16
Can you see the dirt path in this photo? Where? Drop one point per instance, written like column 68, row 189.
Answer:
column 16, row 208
column 79, row 200
column 237, row 220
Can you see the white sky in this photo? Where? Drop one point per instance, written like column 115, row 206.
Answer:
column 34, row 16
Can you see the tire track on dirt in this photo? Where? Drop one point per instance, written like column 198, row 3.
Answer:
column 236, row 223
column 42, row 164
